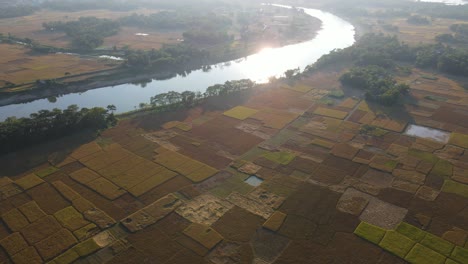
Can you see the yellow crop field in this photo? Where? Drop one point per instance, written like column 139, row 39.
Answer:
column 241, row 112
column 152, row 182
column 460, row 140
column 29, row 181
column 349, row 103
column 275, row 118
column 106, row 188
column 298, row 88
column 84, row 175
column 192, row 169
column 85, row 150
column 330, row 113
column 202, row 173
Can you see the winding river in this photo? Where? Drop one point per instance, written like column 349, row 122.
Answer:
column 447, row 2
column 335, row 33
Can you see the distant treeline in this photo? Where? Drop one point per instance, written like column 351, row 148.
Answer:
column 459, row 35
column 168, row 58
column 87, row 32
column 73, row 5
column 397, row 8
column 178, row 20
column 17, row 133
column 385, row 51
column 16, row 11
column 173, row 100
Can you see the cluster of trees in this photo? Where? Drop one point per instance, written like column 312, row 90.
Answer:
column 16, row 11
column 418, row 20
column 16, row 133
column 73, row 5
column 229, row 87
column 443, row 58
column 87, row 32
column 201, row 28
column 171, row 20
column 459, row 35
column 169, row 57
column 385, row 51
column 172, row 100
column 377, row 82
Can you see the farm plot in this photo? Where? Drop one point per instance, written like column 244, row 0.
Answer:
column 190, row 168
column 278, row 98
column 222, row 131
column 274, row 118
column 17, row 70
column 119, row 171
column 241, row 112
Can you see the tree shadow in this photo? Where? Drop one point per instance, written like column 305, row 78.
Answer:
column 23, row 160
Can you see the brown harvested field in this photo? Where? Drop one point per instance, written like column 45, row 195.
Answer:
column 20, row 67
column 222, row 131
column 278, row 98
column 31, row 26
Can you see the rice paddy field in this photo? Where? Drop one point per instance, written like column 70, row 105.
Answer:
column 177, row 189
column 19, row 66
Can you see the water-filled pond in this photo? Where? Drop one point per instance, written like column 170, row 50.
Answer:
column 254, row 181
column 427, row 132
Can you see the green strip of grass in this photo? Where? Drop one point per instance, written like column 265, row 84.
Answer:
column 397, row 244
column 455, row 187
column 438, row 244
column 370, row 232
column 423, row 255
column 280, row 157
column 46, row 172
column 411, row 231
column 460, row 254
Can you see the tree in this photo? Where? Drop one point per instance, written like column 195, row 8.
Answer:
column 188, row 98
column 291, row 74
column 111, row 108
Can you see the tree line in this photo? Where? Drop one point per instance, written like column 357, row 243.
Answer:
column 16, row 11
column 17, row 133
column 73, row 5
column 168, row 58
column 173, row 100
column 87, row 32
column 393, row 8
column 387, row 51
column 459, row 35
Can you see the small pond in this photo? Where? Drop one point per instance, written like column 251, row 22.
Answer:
column 254, row 181
column 426, row 132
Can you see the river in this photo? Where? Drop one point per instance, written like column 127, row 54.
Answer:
column 447, row 2
column 335, row 33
